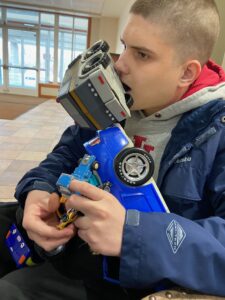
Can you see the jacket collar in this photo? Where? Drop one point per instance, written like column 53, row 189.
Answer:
column 185, row 135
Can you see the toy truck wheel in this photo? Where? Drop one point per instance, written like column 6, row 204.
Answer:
column 100, row 45
column 99, row 59
column 95, row 166
column 134, row 166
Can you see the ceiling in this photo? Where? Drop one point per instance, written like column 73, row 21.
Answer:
column 107, row 8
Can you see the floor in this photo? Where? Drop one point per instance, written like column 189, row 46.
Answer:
column 25, row 141
column 12, row 106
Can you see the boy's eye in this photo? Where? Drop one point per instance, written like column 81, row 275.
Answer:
column 143, row 55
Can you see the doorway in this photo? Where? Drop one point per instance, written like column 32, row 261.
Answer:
column 19, row 61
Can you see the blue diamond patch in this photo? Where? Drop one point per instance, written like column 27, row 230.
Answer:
column 176, row 235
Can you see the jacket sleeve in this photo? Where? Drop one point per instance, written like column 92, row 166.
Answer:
column 187, row 253
column 63, row 158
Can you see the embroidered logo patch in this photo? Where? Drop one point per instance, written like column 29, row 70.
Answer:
column 183, row 160
column 175, row 235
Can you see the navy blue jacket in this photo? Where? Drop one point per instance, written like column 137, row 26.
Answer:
column 185, row 247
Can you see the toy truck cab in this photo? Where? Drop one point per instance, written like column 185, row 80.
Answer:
column 128, row 169
column 91, row 91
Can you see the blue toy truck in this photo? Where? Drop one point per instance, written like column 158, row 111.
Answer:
column 93, row 95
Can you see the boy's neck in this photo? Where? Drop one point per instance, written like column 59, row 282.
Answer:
column 177, row 97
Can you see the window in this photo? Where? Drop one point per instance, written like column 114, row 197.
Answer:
column 66, row 22
column 57, row 38
column 47, row 19
column 22, row 58
column 81, row 24
column 22, row 16
column 80, row 36
column 79, row 43
column 73, row 35
column 46, row 55
column 64, row 52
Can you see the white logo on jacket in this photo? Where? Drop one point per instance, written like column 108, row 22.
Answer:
column 183, row 160
column 176, row 235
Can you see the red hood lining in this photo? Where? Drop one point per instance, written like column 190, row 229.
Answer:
column 211, row 74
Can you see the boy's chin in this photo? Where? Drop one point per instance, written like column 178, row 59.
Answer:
column 135, row 108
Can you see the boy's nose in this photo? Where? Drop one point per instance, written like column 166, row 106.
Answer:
column 121, row 66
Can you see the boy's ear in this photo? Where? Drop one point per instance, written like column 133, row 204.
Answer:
column 190, row 72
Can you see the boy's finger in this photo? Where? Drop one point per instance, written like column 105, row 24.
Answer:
column 82, row 204
column 88, row 190
column 41, row 228
column 53, row 202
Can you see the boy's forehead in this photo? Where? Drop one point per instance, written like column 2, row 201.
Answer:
column 141, row 32
column 142, row 28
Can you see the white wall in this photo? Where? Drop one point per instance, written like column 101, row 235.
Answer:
column 105, row 28
column 121, row 25
column 110, row 29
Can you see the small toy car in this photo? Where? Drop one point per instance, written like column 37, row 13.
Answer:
column 68, row 217
column 85, row 171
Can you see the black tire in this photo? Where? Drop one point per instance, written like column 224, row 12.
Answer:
column 95, row 166
column 100, row 45
column 134, row 166
column 99, row 59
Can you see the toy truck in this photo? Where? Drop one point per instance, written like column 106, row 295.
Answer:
column 91, row 92
column 114, row 164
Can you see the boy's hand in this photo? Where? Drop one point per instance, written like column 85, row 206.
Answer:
column 40, row 220
column 102, row 224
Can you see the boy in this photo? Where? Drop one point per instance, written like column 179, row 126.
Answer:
column 179, row 116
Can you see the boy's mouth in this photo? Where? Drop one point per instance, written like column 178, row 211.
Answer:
column 129, row 99
column 127, row 89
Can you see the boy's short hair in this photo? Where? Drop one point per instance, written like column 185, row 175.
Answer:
column 191, row 25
